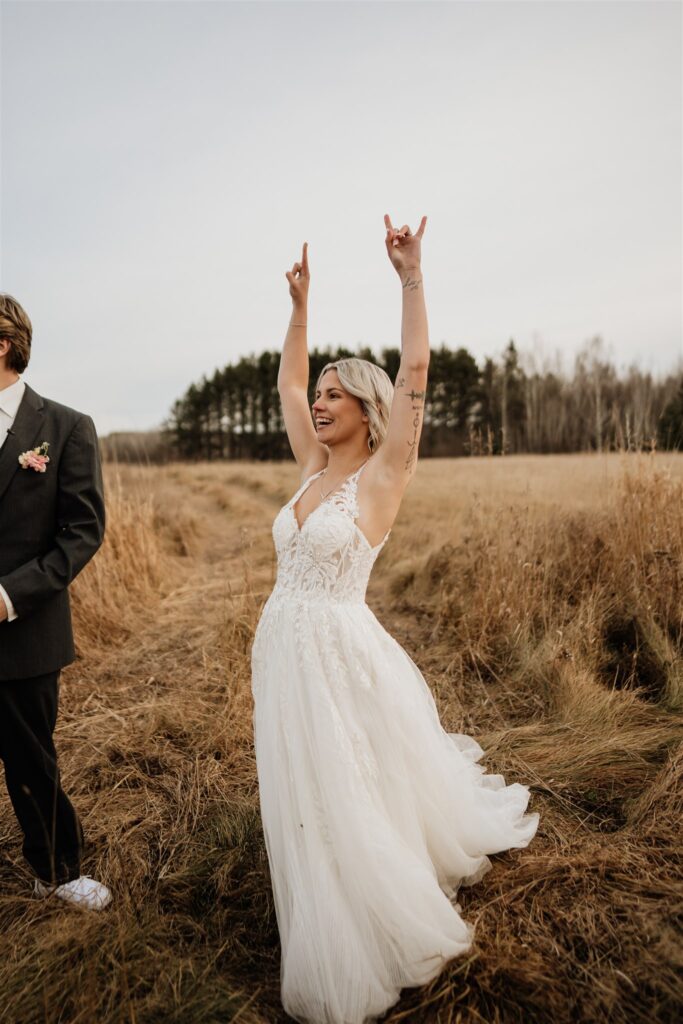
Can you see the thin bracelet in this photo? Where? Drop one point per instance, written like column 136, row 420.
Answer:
column 297, row 325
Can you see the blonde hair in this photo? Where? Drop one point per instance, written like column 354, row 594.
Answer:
column 372, row 385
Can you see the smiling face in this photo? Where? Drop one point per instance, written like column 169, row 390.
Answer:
column 338, row 414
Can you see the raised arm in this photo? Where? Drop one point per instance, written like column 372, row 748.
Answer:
column 397, row 456
column 292, row 379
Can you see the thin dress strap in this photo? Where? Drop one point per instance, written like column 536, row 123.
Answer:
column 356, row 476
column 360, row 469
column 346, row 495
column 355, row 507
column 293, row 500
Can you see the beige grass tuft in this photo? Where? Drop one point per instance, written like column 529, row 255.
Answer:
column 543, row 599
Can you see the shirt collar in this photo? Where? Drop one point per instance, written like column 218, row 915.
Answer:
column 10, row 398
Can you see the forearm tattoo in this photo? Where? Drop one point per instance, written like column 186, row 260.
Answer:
column 417, row 402
column 411, row 282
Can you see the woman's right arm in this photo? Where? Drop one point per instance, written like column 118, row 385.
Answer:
column 292, row 379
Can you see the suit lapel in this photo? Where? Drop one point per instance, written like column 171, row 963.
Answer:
column 25, row 431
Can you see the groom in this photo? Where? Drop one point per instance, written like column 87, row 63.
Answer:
column 51, row 524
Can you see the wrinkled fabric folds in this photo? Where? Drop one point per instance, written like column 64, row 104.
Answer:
column 373, row 815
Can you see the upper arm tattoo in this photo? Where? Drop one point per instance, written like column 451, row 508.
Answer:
column 417, row 403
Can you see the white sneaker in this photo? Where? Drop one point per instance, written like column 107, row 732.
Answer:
column 83, row 891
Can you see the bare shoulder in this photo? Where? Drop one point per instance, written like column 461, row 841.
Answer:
column 380, row 492
column 314, row 464
column 383, row 479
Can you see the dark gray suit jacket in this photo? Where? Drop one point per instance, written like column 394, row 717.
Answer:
column 51, row 524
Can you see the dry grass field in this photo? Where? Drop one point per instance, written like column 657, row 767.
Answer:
column 543, row 599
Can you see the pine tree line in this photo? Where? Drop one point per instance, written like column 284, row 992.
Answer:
column 507, row 406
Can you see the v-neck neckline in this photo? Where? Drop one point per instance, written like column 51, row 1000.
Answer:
column 304, row 487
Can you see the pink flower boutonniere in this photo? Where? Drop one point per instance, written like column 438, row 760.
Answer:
column 35, row 458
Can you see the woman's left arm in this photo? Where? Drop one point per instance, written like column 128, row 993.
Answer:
column 398, row 452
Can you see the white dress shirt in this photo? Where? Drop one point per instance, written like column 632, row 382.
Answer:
column 10, row 400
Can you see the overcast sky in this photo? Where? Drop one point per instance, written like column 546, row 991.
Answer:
column 162, row 164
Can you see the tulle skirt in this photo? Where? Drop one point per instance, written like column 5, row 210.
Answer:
column 373, row 815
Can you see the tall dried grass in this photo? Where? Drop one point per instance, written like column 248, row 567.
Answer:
column 542, row 598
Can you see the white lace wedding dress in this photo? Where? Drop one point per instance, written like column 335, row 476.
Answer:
column 373, row 815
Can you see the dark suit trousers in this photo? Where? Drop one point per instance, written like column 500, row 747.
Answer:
column 53, row 837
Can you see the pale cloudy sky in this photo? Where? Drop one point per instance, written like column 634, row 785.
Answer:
column 162, row 164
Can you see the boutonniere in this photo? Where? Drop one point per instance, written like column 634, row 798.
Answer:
column 35, row 458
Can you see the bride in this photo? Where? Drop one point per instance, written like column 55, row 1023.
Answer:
column 373, row 815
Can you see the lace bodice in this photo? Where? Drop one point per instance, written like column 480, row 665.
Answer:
column 328, row 558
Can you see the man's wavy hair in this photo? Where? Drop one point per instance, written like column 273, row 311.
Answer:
column 15, row 326
column 372, row 385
